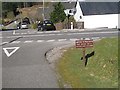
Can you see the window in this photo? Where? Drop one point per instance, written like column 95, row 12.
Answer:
column 80, row 17
column 70, row 11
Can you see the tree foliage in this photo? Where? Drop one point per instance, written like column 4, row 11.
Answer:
column 58, row 14
column 12, row 7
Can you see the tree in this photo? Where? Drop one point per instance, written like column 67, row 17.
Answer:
column 8, row 7
column 58, row 14
column 12, row 6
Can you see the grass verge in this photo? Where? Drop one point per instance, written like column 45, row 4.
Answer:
column 101, row 70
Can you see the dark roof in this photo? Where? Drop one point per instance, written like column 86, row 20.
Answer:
column 68, row 5
column 98, row 8
column 95, row 8
column 88, row 8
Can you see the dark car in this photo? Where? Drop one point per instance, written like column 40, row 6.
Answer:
column 26, row 20
column 46, row 25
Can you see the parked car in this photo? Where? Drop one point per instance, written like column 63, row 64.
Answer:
column 26, row 20
column 22, row 25
column 46, row 25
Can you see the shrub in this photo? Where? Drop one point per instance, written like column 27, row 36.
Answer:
column 34, row 26
column 10, row 15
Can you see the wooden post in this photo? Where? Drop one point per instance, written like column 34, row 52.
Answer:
column 84, row 44
column 84, row 59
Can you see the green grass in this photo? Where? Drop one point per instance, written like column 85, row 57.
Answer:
column 101, row 70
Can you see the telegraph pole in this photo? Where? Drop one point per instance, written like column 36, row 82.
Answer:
column 43, row 9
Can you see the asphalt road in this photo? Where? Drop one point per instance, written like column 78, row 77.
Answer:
column 24, row 64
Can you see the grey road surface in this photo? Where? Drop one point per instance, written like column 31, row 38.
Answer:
column 27, row 66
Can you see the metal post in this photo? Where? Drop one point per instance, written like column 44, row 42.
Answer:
column 71, row 25
column 21, row 20
column 43, row 10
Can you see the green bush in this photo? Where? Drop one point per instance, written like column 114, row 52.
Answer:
column 71, row 19
column 34, row 26
column 10, row 15
column 3, row 28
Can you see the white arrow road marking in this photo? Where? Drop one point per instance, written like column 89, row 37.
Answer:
column 9, row 54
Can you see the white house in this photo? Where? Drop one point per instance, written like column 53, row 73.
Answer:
column 96, row 14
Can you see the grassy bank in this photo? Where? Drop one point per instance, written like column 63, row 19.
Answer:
column 101, row 70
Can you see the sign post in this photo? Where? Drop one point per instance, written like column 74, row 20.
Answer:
column 84, row 44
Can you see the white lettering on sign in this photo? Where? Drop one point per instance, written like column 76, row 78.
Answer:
column 84, row 43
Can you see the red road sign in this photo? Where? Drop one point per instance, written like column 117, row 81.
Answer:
column 84, row 43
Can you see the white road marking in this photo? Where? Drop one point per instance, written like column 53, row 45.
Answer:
column 10, row 53
column 17, row 33
column 28, row 41
column 62, row 40
column 87, row 38
column 59, row 34
column 51, row 31
column 96, row 38
column 88, row 33
column 13, row 32
column 74, row 39
column 40, row 40
column 51, row 34
column 16, row 42
column 50, row 40
column 13, row 36
column 48, row 32
column 23, row 33
column 31, row 33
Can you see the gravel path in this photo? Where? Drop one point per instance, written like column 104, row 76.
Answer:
column 53, row 56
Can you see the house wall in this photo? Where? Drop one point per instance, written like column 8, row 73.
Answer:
column 79, row 14
column 96, row 21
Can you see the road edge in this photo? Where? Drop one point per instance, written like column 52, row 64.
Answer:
column 52, row 57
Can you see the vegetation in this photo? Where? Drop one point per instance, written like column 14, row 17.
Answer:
column 101, row 70
column 33, row 26
column 10, row 15
column 67, row 24
column 58, row 14
column 119, row 61
column 12, row 7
